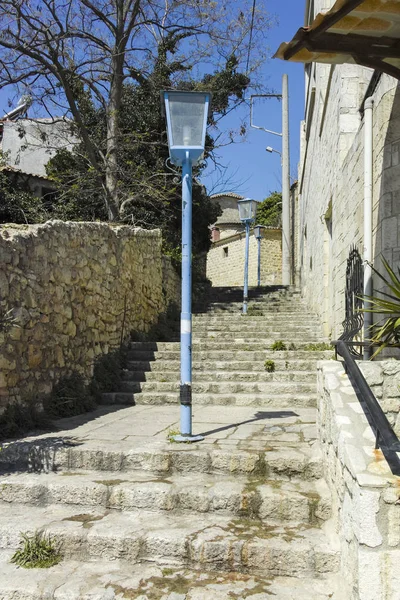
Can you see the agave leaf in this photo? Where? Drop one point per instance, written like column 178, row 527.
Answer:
column 395, row 285
column 392, row 274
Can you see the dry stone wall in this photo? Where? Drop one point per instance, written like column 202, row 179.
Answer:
column 365, row 493
column 76, row 290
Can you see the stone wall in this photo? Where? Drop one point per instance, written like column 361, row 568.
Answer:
column 365, row 493
column 76, row 290
column 225, row 260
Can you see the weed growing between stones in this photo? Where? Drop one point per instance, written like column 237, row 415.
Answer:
column 269, row 366
column 278, row 345
column 252, row 311
column 171, row 434
column 37, row 551
column 317, row 347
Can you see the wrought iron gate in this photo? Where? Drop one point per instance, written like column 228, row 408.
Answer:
column 354, row 319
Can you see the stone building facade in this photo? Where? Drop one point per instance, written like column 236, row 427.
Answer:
column 76, row 291
column 331, row 179
column 225, row 259
column 228, row 223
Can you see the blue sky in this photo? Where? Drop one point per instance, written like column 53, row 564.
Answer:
column 251, row 170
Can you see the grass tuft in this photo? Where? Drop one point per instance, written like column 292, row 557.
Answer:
column 37, row 551
column 278, row 345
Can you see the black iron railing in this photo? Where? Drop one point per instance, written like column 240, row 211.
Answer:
column 354, row 319
column 385, row 437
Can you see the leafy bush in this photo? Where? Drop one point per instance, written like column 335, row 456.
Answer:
column 107, row 373
column 278, row 345
column 70, row 396
column 37, row 551
column 20, row 417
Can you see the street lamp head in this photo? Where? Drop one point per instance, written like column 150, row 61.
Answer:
column 247, row 210
column 269, row 149
column 257, row 231
column 186, row 114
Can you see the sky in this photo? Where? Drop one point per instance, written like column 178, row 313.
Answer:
column 248, row 169
column 251, row 171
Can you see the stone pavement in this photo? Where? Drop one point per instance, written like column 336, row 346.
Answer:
column 243, row 514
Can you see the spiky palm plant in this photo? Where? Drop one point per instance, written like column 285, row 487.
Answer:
column 387, row 330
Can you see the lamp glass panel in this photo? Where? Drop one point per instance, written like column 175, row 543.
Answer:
column 187, row 119
column 247, row 209
column 257, row 231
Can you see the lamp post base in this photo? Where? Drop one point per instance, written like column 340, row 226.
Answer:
column 186, row 438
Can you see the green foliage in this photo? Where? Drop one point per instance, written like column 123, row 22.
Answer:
column 388, row 305
column 269, row 211
column 171, row 434
column 70, row 396
column 17, row 203
column 21, row 417
column 317, row 347
column 269, row 366
column 107, row 373
column 37, row 551
column 278, row 345
column 253, row 311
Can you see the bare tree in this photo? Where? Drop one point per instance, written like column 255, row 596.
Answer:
column 49, row 47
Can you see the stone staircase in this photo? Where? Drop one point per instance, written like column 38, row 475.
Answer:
column 244, row 514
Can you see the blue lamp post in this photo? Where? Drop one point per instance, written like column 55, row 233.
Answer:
column 186, row 114
column 258, row 236
column 247, row 214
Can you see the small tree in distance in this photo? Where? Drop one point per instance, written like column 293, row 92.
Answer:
column 269, row 211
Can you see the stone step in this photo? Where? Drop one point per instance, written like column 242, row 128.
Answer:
column 223, row 387
column 207, row 541
column 255, row 498
column 213, row 340
column 215, row 376
column 113, row 580
column 288, row 400
column 263, row 328
column 269, row 309
column 300, row 340
column 229, row 355
column 270, row 456
column 284, row 365
column 304, row 319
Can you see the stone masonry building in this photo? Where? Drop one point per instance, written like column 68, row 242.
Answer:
column 225, row 259
column 332, row 178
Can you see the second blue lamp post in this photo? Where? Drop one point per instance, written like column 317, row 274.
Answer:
column 186, row 114
column 247, row 214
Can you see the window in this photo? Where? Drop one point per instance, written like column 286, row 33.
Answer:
column 225, row 251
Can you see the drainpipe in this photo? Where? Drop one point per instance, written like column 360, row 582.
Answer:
column 368, row 115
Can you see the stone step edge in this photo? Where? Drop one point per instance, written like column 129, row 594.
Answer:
column 286, row 463
column 204, row 541
column 98, row 580
column 267, row 500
